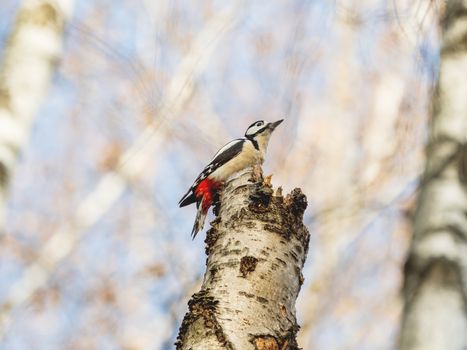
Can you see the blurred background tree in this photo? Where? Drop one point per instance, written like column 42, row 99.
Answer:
column 435, row 287
column 33, row 47
column 96, row 253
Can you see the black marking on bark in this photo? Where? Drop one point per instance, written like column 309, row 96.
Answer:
column 4, row 174
column 245, row 294
column 202, row 305
column 265, row 253
column 247, row 265
column 237, row 216
column 283, row 263
column 462, row 164
column 298, row 248
column 232, row 263
column 440, row 270
column 262, row 300
column 283, row 310
column 459, row 235
column 240, row 189
column 275, row 228
column 213, row 272
column 216, row 203
column 211, row 238
column 294, row 256
column 233, row 252
column 250, row 224
column 453, row 13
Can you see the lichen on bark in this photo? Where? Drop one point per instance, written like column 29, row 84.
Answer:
column 256, row 249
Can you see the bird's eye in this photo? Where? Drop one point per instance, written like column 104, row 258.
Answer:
column 259, row 123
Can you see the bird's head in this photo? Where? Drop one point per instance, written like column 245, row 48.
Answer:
column 260, row 128
column 260, row 132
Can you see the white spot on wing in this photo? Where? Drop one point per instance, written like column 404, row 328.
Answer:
column 227, row 146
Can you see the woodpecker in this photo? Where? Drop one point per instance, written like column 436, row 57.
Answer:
column 236, row 155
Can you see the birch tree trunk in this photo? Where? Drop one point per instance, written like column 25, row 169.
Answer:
column 256, row 249
column 435, row 289
column 31, row 53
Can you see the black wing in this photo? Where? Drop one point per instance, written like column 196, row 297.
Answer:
column 222, row 156
column 225, row 154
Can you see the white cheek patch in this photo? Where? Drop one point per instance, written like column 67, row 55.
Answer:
column 255, row 129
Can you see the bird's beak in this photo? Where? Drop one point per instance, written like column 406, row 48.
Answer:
column 274, row 125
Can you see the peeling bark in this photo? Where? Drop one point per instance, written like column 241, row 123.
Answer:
column 256, row 249
column 435, row 289
column 31, row 53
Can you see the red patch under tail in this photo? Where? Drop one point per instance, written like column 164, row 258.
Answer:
column 205, row 193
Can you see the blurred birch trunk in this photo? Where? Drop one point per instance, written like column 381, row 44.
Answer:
column 435, row 289
column 256, row 250
column 31, row 52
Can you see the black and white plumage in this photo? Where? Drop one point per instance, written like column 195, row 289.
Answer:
column 226, row 153
column 236, row 155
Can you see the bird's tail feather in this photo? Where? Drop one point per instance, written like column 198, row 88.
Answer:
column 187, row 199
column 199, row 221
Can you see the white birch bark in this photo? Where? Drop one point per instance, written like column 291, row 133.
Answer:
column 31, row 53
column 256, row 250
column 435, row 289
